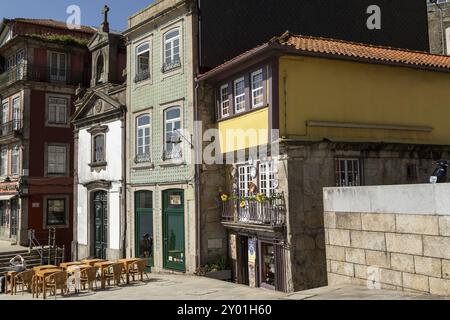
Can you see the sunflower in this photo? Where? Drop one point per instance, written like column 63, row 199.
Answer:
column 224, row 197
column 260, row 197
column 243, row 204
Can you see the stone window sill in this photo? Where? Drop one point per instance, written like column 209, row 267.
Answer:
column 98, row 166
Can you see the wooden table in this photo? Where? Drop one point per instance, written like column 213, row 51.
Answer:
column 49, row 266
column 126, row 265
column 65, row 265
column 103, row 266
column 11, row 275
column 43, row 274
column 71, row 271
column 92, row 262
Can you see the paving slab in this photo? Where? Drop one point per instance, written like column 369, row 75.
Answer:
column 186, row 287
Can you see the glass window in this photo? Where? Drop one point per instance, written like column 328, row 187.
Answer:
column 56, row 212
column 4, row 162
column 57, row 110
column 172, row 50
column 268, row 264
column 15, row 161
column 58, row 66
column 257, row 89
column 16, row 113
column 143, row 124
column 99, row 148
column 100, row 69
column 244, row 179
column 5, row 112
column 172, row 120
column 224, row 101
column 239, row 95
column 347, row 173
column 57, row 159
column 267, row 178
column 142, row 62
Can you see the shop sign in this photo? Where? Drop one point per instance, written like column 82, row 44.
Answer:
column 252, row 250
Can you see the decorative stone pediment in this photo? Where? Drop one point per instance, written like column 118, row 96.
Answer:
column 95, row 104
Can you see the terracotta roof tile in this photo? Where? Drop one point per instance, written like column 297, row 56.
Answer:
column 364, row 51
column 352, row 50
column 54, row 24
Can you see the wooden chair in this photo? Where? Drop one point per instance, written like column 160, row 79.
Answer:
column 115, row 275
column 89, row 276
column 24, row 279
column 139, row 267
column 57, row 281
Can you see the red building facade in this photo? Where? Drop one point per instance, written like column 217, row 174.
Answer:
column 42, row 63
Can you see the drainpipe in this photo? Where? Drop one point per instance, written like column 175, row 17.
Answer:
column 124, row 184
column 197, row 182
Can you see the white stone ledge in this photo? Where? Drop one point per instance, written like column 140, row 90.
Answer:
column 424, row 199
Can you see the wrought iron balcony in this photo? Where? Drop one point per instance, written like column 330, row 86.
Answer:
column 175, row 154
column 271, row 212
column 142, row 75
column 142, row 158
column 11, row 128
column 29, row 72
column 171, row 65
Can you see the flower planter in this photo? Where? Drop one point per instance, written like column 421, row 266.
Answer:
column 224, row 275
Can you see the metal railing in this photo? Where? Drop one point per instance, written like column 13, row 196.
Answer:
column 30, row 72
column 142, row 75
column 34, row 242
column 10, row 127
column 270, row 212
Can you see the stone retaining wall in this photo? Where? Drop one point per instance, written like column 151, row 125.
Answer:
column 404, row 249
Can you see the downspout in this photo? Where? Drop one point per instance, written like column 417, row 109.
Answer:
column 124, row 184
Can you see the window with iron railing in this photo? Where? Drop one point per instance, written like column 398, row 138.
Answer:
column 348, row 172
column 171, row 50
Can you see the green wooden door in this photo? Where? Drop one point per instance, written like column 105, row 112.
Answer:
column 144, row 226
column 173, row 230
column 100, row 199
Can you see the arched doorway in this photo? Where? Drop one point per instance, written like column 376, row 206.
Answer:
column 100, row 207
column 144, row 226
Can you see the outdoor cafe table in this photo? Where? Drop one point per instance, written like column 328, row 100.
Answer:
column 43, row 274
column 65, row 265
column 49, row 266
column 11, row 275
column 71, row 272
column 91, row 262
column 103, row 266
column 126, row 264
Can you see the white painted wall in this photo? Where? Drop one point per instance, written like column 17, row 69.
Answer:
column 113, row 173
column 429, row 199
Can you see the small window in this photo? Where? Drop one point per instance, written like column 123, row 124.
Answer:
column 257, row 89
column 17, row 123
column 99, row 149
column 99, row 77
column 224, row 101
column 172, row 121
column 57, row 110
column 56, row 212
column 244, row 178
column 239, row 95
column 58, row 66
column 142, row 62
column 172, row 50
column 143, row 124
column 15, row 161
column 57, row 159
column 348, row 173
column 5, row 112
column 4, row 162
column 411, row 172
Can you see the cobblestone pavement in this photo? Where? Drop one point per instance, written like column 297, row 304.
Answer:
column 185, row 287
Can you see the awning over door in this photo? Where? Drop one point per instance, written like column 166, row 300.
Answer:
column 7, row 197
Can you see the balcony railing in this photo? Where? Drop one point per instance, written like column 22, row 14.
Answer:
column 271, row 212
column 11, row 128
column 171, row 65
column 29, row 72
column 142, row 75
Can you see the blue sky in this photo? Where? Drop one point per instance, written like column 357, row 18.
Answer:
column 90, row 10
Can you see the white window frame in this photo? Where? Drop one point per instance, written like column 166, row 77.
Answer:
column 172, row 123
column 15, row 160
column 244, row 178
column 224, row 102
column 5, row 112
column 141, row 148
column 172, row 54
column 60, row 110
column 267, row 178
column 351, row 176
column 4, row 162
column 257, row 92
column 59, row 76
column 239, row 99
column 139, row 71
column 16, row 113
column 94, row 149
column 61, row 151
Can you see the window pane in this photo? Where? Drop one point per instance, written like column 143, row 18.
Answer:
column 56, row 212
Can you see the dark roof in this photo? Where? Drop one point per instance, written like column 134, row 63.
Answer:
column 54, row 24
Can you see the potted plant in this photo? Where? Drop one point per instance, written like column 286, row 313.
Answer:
column 217, row 270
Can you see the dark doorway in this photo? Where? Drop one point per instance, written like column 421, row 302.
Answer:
column 100, row 206
column 243, row 260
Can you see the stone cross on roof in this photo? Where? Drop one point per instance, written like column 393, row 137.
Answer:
column 105, row 24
